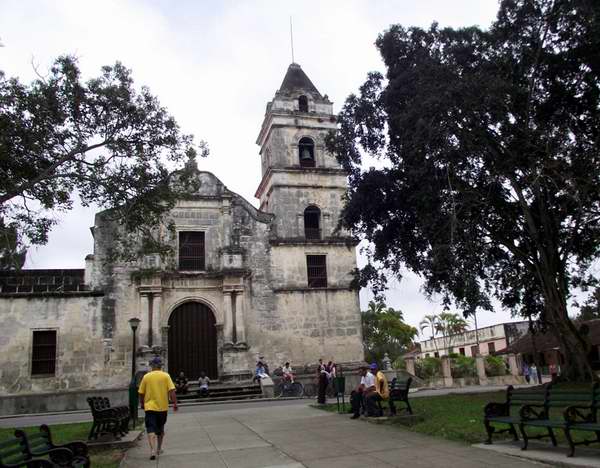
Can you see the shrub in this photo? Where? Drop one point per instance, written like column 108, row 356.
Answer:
column 399, row 364
column 494, row 366
column 428, row 367
column 464, row 366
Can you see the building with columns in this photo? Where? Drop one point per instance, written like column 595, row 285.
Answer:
column 243, row 282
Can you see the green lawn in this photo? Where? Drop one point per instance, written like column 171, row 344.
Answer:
column 458, row 417
column 62, row 433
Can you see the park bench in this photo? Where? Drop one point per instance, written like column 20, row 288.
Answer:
column 73, row 454
column 569, row 410
column 108, row 419
column 508, row 413
column 12, row 455
column 399, row 391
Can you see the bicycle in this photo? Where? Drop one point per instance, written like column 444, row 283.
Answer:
column 289, row 389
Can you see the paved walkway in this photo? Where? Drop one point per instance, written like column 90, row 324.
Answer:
column 299, row 436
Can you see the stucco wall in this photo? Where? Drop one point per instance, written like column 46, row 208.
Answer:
column 83, row 358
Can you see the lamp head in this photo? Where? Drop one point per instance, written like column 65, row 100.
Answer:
column 134, row 323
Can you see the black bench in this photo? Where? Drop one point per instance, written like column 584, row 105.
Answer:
column 508, row 413
column 73, row 454
column 108, row 419
column 13, row 456
column 399, row 391
column 569, row 410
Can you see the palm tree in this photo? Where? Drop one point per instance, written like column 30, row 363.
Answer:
column 431, row 322
column 449, row 325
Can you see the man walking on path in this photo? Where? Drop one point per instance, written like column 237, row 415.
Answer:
column 155, row 391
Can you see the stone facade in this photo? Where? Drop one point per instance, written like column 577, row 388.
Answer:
column 253, row 283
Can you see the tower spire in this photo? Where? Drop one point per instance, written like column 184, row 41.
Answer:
column 292, row 39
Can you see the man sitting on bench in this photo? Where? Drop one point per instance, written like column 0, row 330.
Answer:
column 359, row 397
column 381, row 393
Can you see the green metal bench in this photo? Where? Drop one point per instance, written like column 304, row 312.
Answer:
column 399, row 391
column 12, row 455
column 41, row 444
column 569, row 410
column 508, row 413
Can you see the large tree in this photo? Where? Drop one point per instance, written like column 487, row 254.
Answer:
column 384, row 331
column 490, row 185
column 102, row 141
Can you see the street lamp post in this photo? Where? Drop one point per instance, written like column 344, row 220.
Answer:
column 133, row 395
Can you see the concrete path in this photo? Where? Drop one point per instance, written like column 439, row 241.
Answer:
column 26, row 420
column 296, row 436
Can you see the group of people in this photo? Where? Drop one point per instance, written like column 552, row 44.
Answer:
column 531, row 373
column 370, row 392
column 182, row 384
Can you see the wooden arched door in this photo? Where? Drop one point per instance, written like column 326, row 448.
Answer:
column 192, row 341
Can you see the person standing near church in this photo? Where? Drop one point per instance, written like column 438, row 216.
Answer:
column 323, row 380
column 155, row 391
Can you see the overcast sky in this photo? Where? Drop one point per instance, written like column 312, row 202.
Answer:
column 215, row 65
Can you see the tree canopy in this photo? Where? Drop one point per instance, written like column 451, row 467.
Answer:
column 490, row 186
column 102, row 141
column 384, row 331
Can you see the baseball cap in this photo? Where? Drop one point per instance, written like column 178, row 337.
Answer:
column 156, row 362
column 373, row 366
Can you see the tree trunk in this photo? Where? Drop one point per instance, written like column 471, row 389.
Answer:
column 573, row 346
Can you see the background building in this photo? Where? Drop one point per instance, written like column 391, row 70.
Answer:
column 491, row 339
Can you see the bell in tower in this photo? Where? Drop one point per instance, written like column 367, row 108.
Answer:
column 307, row 152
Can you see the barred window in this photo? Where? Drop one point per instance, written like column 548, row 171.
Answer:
column 191, row 251
column 491, row 348
column 43, row 353
column 317, row 271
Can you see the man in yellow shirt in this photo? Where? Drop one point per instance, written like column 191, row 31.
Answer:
column 382, row 392
column 155, row 390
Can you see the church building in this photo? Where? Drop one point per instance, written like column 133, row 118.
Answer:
column 244, row 283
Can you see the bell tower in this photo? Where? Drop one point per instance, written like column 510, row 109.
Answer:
column 311, row 262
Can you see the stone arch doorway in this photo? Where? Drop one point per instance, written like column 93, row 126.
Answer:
column 192, row 341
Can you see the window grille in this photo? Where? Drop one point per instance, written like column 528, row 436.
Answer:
column 191, row 251
column 43, row 353
column 317, row 271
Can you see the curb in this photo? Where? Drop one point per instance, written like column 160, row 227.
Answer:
column 181, row 405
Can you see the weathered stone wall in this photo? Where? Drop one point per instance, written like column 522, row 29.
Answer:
column 84, row 359
column 66, row 400
column 289, row 265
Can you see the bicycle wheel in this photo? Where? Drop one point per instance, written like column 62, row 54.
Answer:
column 297, row 390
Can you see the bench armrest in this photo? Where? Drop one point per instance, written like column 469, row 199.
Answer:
column 492, row 410
column 78, row 447
column 529, row 412
column 59, row 455
column 578, row 414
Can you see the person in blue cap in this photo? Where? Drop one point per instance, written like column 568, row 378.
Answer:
column 381, row 393
column 155, row 392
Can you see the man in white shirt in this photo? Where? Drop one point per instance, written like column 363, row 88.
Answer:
column 203, row 382
column 364, row 389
